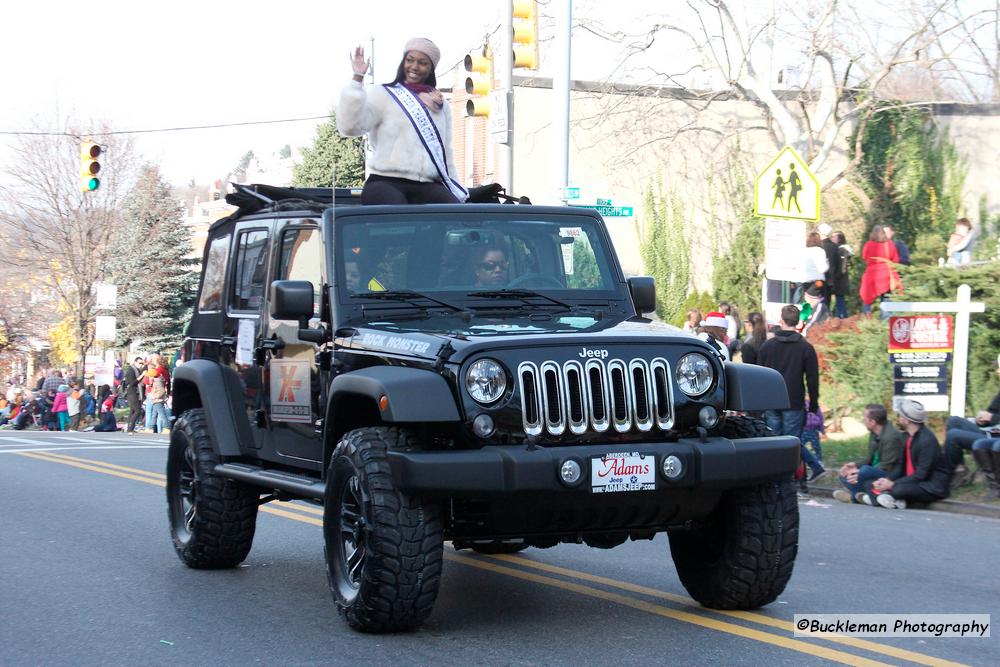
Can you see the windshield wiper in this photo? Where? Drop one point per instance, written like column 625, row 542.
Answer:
column 408, row 296
column 523, row 294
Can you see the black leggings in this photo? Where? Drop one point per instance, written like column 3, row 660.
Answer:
column 390, row 190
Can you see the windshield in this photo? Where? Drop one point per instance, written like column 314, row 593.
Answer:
column 470, row 261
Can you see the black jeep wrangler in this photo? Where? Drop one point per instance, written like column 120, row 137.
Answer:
column 479, row 373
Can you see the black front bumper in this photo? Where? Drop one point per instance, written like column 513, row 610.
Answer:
column 716, row 464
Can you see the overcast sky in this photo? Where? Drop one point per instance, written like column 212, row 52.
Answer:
column 146, row 66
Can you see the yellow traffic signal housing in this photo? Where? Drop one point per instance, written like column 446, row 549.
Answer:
column 479, row 83
column 525, row 37
column 89, row 166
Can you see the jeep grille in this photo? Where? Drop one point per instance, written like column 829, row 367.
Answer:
column 595, row 396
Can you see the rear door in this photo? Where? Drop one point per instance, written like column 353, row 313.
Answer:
column 244, row 305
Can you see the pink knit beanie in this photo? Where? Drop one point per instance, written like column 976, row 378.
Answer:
column 426, row 47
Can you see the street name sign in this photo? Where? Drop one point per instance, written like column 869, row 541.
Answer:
column 786, row 188
column 609, row 211
column 499, row 116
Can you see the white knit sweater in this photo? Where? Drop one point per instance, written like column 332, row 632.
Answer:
column 398, row 151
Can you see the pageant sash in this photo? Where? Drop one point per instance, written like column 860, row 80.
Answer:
column 420, row 118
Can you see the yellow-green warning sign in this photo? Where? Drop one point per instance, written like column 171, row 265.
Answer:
column 787, row 189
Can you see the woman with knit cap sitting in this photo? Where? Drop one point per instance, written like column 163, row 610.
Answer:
column 409, row 127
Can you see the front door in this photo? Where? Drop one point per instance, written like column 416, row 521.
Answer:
column 293, row 392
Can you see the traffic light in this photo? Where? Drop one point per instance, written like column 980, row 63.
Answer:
column 479, row 83
column 525, row 38
column 89, row 166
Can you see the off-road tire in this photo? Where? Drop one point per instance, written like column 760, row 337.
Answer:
column 212, row 519
column 383, row 548
column 742, row 556
column 739, row 426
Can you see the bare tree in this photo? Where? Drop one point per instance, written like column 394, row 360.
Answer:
column 59, row 235
column 847, row 58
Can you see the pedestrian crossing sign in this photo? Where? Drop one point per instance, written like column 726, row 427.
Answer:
column 787, row 189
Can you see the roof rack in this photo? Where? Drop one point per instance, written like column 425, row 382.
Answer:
column 251, row 198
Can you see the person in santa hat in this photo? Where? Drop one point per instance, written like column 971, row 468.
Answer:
column 713, row 332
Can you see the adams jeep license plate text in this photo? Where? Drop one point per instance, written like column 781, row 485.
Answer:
column 613, row 473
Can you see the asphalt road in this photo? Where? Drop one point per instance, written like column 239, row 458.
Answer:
column 90, row 578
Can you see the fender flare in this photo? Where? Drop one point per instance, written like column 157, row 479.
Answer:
column 414, row 394
column 217, row 389
column 753, row 388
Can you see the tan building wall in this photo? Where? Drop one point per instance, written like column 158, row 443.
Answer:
column 975, row 131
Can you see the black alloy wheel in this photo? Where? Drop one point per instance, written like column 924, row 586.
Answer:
column 384, row 548
column 212, row 519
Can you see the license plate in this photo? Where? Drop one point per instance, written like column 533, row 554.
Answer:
column 618, row 472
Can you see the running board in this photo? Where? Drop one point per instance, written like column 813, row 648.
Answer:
column 298, row 485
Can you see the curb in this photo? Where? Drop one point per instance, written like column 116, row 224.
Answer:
column 952, row 506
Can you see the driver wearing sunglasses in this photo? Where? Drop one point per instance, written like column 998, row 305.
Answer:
column 490, row 267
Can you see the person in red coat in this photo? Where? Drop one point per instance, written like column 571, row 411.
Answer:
column 880, row 276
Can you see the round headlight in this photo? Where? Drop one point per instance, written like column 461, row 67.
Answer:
column 486, row 381
column 694, row 374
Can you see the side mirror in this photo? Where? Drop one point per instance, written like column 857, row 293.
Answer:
column 643, row 291
column 292, row 300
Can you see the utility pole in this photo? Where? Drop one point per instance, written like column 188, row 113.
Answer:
column 506, row 81
column 560, row 92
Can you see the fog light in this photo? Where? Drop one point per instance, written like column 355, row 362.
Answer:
column 672, row 467
column 570, row 472
column 708, row 416
column 483, row 426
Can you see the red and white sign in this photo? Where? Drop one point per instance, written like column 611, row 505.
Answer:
column 921, row 333
column 613, row 473
column 291, row 398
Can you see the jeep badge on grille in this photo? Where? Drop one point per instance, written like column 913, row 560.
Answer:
column 593, row 354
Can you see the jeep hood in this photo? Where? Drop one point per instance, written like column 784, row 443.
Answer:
column 485, row 336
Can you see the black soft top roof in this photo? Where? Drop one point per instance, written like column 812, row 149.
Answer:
column 255, row 198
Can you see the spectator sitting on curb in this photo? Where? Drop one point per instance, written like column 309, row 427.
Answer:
column 922, row 474
column 961, row 434
column 885, row 443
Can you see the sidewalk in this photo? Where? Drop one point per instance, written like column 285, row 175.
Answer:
column 953, row 506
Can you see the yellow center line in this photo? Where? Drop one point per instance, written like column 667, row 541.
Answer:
column 46, row 456
column 686, row 617
column 113, row 466
column 742, row 615
column 282, row 510
column 145, row 476
column 156, row 475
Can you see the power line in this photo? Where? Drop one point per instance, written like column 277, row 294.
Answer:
column 198, row 127
column 164, row 129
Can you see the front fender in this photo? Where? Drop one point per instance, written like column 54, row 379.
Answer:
column 412, row 394
column 753, row 388
column 217, row 389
